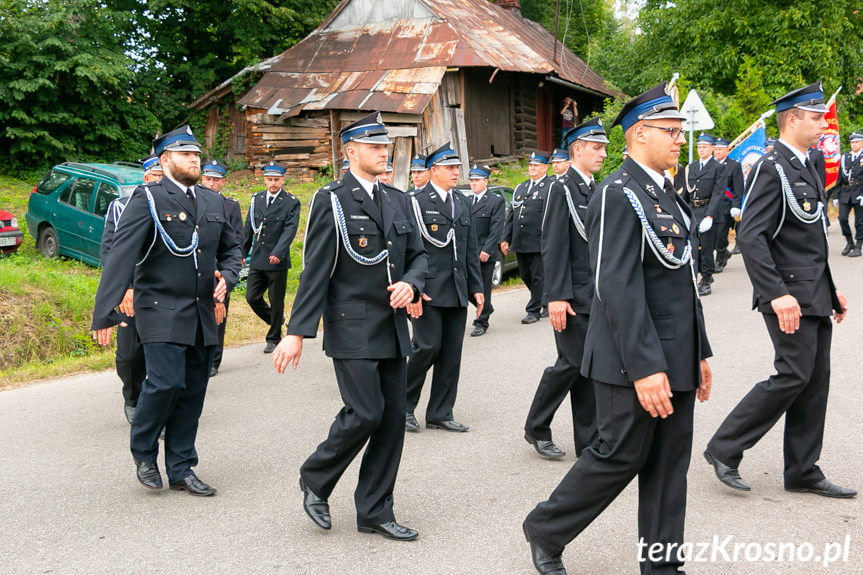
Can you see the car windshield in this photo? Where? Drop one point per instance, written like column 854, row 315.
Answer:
column 127, row 190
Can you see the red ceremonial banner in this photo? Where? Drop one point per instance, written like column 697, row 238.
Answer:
column 829, row 145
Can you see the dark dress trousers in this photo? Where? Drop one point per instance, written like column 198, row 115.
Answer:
column 174, row 311
column 451, row 282
column 645, row 318
column 794, row 262
column 523, row 232
column 566, row 261
column 129, row 357
column 849, row 192
column 235, row 218
column 366, row 338
column 277, row 225
column 705, row 189
column 731, row 197
column 488, row 217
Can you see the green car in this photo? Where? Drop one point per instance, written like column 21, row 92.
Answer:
column 66, row 212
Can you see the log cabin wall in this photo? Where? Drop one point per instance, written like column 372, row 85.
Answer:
column 524, row 114
column 301, row 143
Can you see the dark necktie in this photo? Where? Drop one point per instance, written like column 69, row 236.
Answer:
column 475, row 200
column 191, row 195
column 529, row 190
column 376, row 196
column 592, row 186
column 448, row 203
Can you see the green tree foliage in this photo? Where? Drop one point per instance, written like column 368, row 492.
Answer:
column 580, row 23
column 65, row 85
column 186, row 47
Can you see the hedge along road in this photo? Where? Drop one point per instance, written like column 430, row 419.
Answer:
column 71, row 504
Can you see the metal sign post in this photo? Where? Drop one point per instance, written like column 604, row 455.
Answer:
column 698, row 118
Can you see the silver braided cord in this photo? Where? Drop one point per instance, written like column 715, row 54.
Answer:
column 450, row 237
column 576, row 221
column 167, row 239
column 793, row 205
column 662, row 254
column 342, row 230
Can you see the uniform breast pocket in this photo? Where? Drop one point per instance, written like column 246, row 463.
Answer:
column 438, row 226
column 806, row 196
column 796, row 273
column 364, row 236
column 665, row 327
column 215, row 218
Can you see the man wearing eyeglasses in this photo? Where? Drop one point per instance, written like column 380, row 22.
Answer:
column 645, row 350
column 705, row 188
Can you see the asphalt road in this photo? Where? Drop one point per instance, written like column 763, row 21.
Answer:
column 69, row 501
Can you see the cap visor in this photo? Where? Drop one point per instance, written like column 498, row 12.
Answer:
column 817, row 108
column 379, row 139
column 666, row 115
column 598, row 138
column 535, row 162
column 449, row 162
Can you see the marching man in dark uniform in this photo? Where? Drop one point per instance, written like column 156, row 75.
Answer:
column 488, row 212
column 129, row 356
column 443, row 216
column 645, row 349
column 523, row 231
column 848, row 195
column 363, row 263
column 783, row 238
column 729, row 204
column 175, row 245
column 419, row 172
column 568, row 293
column 271, row 225
column 213, row 176
column 705, row 188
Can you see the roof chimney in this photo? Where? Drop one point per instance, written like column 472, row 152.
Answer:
column 510, row 5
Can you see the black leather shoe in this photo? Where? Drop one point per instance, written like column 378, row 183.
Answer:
column 316, row 508
column 544, row 447
column 543, row 313
column 849, row 245
column 477, row 331
column 194, row 486
column 214, row 371
column 825, row 488
column 411, row 423
column 148, row 474
column 727, row 475
column 448, row 425
column 736, row 250
column 129, row 411
column 704, row 289
column 857, row 251
column 530, row 318
column 545, row 563
column 269, row 347
column 390, row 530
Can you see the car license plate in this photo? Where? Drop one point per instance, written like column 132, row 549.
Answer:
column 7, row 242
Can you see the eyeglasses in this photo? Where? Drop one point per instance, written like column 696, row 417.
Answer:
column 673, row 132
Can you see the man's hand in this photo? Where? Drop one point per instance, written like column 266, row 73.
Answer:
column 844, row 304
column 483, row 257
column 221, row 312
column 103, row 336
column 290, row 348
column 479, row 298
column 735, row 213
column 274, row 260
column 705, row 225
column 654, row 394
column 401, row 294
column 221, row 287
column 859, row 201
column 504, row 248
column 415, row 310
column 126, row 306
column 835, row 202
column 557, row 312
column 787, row 312
column 703, row 391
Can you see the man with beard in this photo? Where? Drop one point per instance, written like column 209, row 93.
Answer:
column 784, row 244
column 568, row 294
column 443, row 216
column 271, row 225
column 645, row 350
column 175, row 245
column 363, row 263
column 213, row 176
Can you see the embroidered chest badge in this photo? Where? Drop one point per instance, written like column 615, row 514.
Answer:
column 433, row 227
column 363, row 241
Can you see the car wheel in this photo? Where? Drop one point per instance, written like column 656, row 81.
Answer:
column 48, row 244
column 497, row 274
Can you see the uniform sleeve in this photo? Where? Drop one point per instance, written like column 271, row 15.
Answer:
column 107, row 232
column 318, row 259
column 248, row 235
column 557, row 280
column 507, row 225
column 755, row 232
column 472, row 266
column 228, row 254
column 736, row 185
column 235, row 217
column 416, row 257
column 134, row 233
column 498, row 221
column 289, row 231
column 720, row 180
column 615, row 257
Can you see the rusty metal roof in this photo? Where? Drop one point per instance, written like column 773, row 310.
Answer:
column 397, row 65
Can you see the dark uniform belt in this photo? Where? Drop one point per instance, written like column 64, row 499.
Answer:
column 699, row 203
